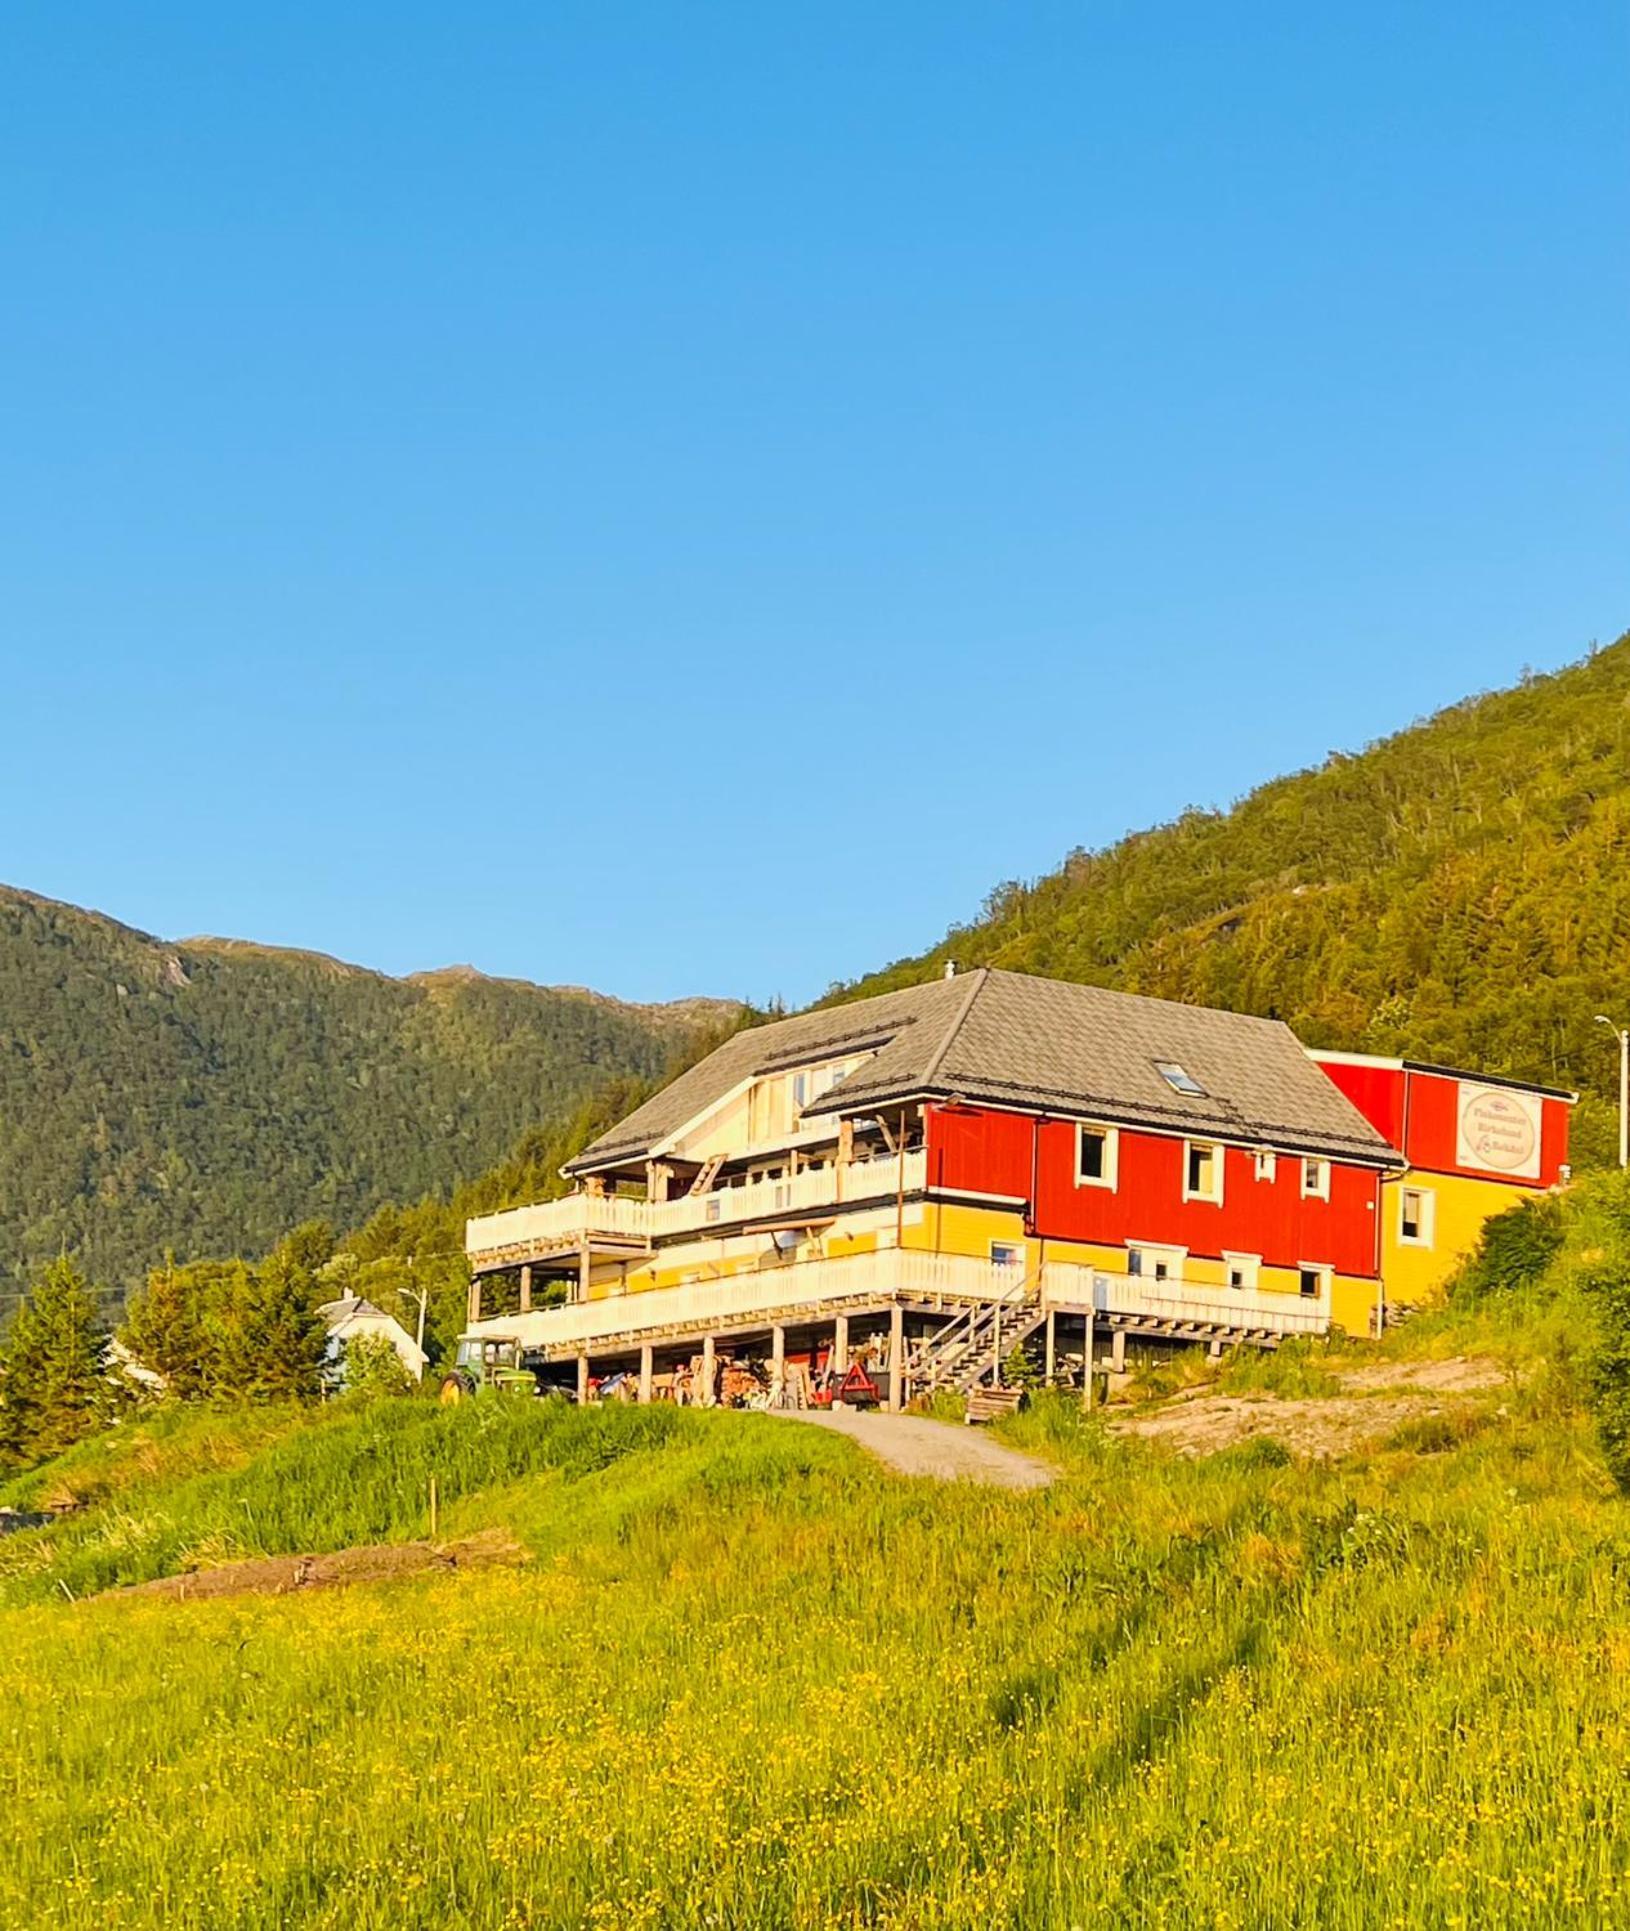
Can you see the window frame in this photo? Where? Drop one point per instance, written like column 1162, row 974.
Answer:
column 1214, row 1147
column 1250, row 1265
column 1160, row 1253
column 1178, row 1077
column 1112, row 1155
column 1320, row 1190
column 1426, row 1237
column 1013, row 1247
column 1265, row 1165
column 1323, row 1272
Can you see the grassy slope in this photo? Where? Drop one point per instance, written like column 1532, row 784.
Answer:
column 750, row 1680
column 1449, row 893
column 206, row 1096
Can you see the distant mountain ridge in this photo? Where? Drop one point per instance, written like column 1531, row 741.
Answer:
column 204, row 1094
column 1459, row 891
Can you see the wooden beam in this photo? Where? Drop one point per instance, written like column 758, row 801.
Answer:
column 583, row 1266
column 709, row 1381
column 778, row 1363
column 1086, row 1364
column 897, row 1365
column 473, row 1307
column 582, row 1380
column 646, row 1362
column 526, row 1288
column 1052, row 1350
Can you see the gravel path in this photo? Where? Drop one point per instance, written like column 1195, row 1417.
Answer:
column 916, row 1446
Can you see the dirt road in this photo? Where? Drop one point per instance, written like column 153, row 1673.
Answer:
column 915, row 1446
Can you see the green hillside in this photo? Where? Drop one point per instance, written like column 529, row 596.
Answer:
column 205, row 1096
column 1457, row 892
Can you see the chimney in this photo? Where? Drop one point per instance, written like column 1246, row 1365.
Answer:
column 950, row 968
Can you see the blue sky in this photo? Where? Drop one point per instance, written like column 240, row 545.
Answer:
column 687, row 499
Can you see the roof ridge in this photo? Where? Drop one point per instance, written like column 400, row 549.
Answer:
column 980, row 977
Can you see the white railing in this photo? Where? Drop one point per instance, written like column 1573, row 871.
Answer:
column 893, row 1274
column 1063, row 1283
column 582, row 1216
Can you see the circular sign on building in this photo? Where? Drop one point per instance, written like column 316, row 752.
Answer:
column 1499, row 1131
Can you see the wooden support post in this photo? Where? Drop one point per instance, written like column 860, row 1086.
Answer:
column 1052, row 1350
column 646, row 1363
column 778, row 1365
column 996, row 1347
column 709, row 1374
column 1086, row 1366
column 583, row 1265
column 582, row 1380
column 897, row 1362
column 473, row 1309
column 1117, row 1351
column 526, row 1288
column 840, row 1345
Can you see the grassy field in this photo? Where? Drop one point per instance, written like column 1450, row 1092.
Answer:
column 748, row 1679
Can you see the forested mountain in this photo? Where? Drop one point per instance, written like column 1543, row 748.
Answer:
column 1458, row 892
column 205, row 1096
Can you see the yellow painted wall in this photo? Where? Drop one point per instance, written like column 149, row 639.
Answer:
column 1415, row 1274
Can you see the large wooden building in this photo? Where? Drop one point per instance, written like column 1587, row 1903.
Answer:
column 941, row 1172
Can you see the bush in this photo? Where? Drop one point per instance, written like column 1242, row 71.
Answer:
column 373, row 1368
column 1607, row 1283
column 1513, row 1252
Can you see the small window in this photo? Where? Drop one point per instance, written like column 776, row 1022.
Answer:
column 1179, row 1080
column 1267, row 1163
column 1095, row 1155
column 1311, row 1281
column 1241, row 1270
column 1202, row 1171
column 1315, row 1179
column 1152, row 1263
column 1134, row 1261
column 1006, row 1253
column 713, row 1205
column 1415, row 1217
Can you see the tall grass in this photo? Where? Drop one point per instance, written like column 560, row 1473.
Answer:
column 750, row 1680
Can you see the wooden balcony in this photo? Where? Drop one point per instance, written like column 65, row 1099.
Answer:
column 613, row 1222
column 1182, row 1310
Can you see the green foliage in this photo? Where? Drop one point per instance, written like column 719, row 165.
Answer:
column 373, row 1369
column 1606, row 1282
column 1449, row 893
column 1514, row 1250
column 55, row 1386
column 203, row 1097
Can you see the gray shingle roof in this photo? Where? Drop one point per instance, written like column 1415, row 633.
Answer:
column 1038, row 1045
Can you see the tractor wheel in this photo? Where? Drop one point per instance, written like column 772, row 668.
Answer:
column 457, row 1386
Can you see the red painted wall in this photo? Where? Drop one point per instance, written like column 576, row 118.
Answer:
column 1419, row 1113
column 997, row 1153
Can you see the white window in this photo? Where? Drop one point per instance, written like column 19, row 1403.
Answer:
column 1267, row 1163
column 1415, row 1216
column 1241, row 1270
column 1179, row 1080
column 1202, row 1171
column 1315, row 1179
column 1148, row 1263
column 1097, row 1150
column 1006, row 1253
column 1313, row 1280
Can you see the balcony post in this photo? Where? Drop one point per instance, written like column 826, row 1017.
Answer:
column 473, row 1308
column 583, row 1272
column 709, row 1384
column 1052, row 1350
column 778, row 1365
column 840, row 1345
column 897, row 1365
column 646, row 1363
column 1117, row 1351
column 526, row 1288
column 582, row 1380
column 1086, row 1364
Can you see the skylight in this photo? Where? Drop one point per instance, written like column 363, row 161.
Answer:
column 1179, row 1080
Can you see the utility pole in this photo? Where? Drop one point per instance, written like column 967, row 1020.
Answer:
column 421, row 1295
column 1623, row 1035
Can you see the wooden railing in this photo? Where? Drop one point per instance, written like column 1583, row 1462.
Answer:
column 1179, row 1301
column 555, row 1225
column 894, row 1274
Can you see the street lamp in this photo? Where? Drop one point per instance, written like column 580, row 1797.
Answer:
column 1623, row 1034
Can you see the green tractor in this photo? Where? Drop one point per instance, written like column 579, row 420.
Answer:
column 487, row 1366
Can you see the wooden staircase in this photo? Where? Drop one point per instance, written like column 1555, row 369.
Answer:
column 970, row 1350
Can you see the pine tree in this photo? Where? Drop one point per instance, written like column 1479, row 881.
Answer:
column 54, row 1384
